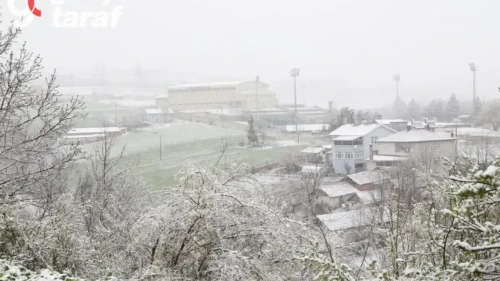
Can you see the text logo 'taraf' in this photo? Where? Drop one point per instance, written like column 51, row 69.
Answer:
column 24, row 16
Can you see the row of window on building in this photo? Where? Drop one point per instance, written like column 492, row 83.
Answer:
column 349, row 155
column 201, row 89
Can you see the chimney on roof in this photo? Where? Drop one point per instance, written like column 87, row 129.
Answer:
column 408, row 126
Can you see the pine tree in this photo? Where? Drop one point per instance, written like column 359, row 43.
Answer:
column 453, row 108
column 252, row 135
column 413, row 109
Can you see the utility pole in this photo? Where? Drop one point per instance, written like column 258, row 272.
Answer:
column 295, row 72
column 473, row 68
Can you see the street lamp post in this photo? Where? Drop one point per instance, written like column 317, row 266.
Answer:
column 397, row 78
column 161, row 158
column 295, row 72
column 473, row 68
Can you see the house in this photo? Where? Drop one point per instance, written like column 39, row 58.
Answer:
column 317, row 154
column 312, row 171
column 424, row 145
column 354, row 223
column 352, row 145
column 368, row 180
column 158, row 115
column 336, row 195
column 88, row 135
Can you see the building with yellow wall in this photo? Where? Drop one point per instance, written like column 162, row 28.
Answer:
column 244, row 95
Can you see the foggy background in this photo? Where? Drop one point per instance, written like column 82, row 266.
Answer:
column 348, row 51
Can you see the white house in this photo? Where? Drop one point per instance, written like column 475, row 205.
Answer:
column 424, row 145
column 159, row 115
column 352, row 145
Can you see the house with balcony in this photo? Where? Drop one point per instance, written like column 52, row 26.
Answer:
column 426, row 146
column 352, row 145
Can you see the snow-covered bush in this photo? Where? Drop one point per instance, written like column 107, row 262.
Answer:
column 12, row 272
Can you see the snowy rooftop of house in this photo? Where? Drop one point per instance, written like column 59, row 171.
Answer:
column 218, row 111
column 477, row 132
column 84, row 136
column 356, row 130
column 338, row 189
column 90, row 131
column 211, row 85
column 465, row 116
column 377, row 157
column 156, row 111
column 314, row 149
column 307, row 127
column 311, row 169
column 390, row 121
column 368, row 177
column 368, row 197
column 346, row 138
column 327, row 146
column 417, row 136
column 350, row 219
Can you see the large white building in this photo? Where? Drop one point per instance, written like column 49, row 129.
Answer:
column 243, row 95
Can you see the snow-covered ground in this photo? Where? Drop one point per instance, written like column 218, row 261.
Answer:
column 149, row 138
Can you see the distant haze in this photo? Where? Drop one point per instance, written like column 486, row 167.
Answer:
column 348, row 51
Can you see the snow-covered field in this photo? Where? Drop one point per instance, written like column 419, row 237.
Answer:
column 173, row 133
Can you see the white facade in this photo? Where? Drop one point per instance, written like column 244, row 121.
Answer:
column 370, row 134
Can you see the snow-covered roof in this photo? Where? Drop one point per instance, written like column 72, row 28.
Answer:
column 368, row 197
column 307, row 127
column 388, row 158
column 417, row 136
column 153, row 111
column 465, row 116
column 314, row 149
column 327, row 146
column 477, row 132
column 311, row 169
column 211, row 85
column 357, row 130
column 90, row 131
column 157, row 111
column 346, row 138
column 390, row 121
column 368, row 177
column 84, row 136
column 350, row 219
column 338, row 189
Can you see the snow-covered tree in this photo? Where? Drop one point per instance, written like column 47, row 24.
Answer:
column 491, row 114
column 345, row 116
column 217, row 226
column 413, row 109
column 253, row 139
column 453, row 107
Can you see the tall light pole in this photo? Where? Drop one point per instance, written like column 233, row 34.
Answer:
column 397, row 78
column 473, row 68
column 295, row 72
column 160, row 144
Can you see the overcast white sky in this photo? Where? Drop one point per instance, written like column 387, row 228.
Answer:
column 348, row 51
